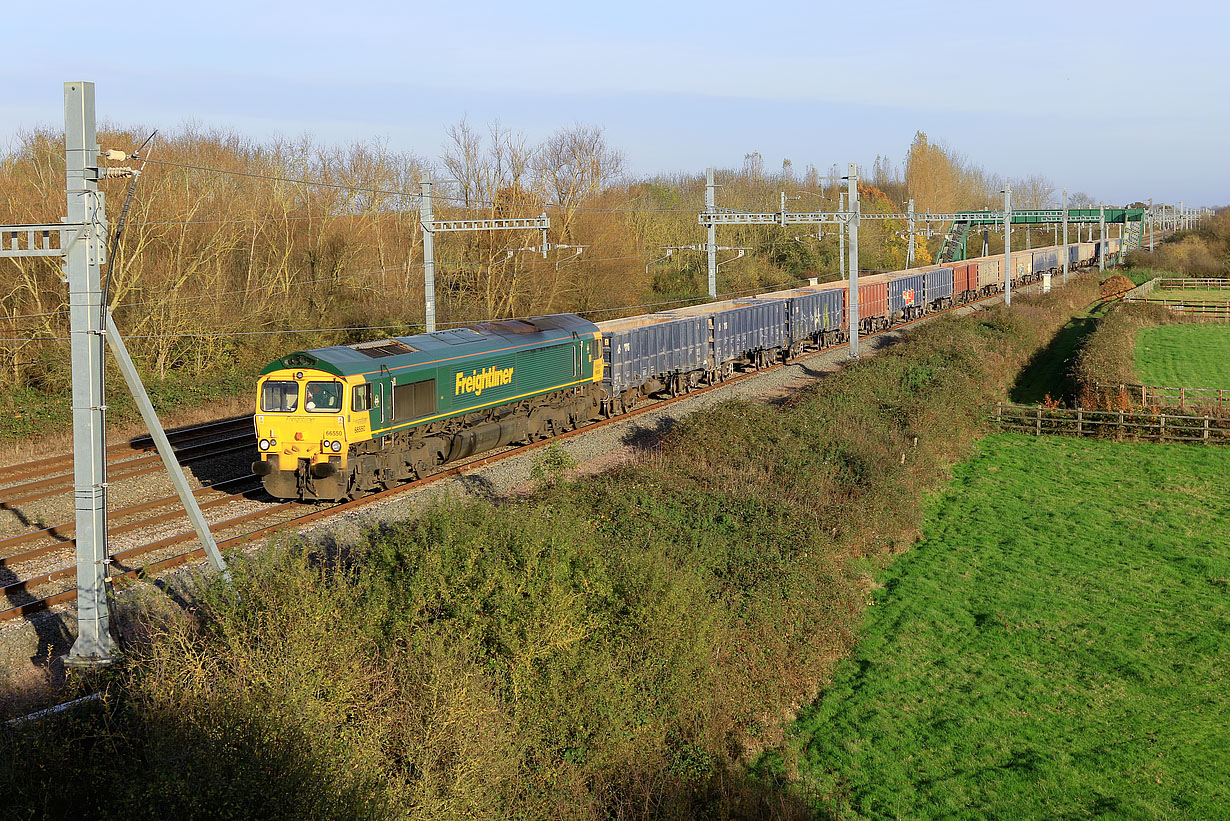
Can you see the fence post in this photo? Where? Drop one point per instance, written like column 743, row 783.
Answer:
column 1182, row 396
column 1206, row 429
column 1161, row 427
column 1143, row 402
column 1080, row 421
column 1039, row 425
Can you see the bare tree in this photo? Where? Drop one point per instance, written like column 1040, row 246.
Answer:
column 753, row 165
column 575, row 164
column 1031, row 192
column 493, row 176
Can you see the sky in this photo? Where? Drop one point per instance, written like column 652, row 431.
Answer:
column 1123, row 101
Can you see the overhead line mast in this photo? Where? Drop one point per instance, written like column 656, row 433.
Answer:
column 712, row 217
column 430, row 226
column 83, row 248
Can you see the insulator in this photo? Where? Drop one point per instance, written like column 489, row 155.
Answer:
column 114, row 172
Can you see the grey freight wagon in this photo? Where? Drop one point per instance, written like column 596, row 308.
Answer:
column 742, row 330
column 647, row 354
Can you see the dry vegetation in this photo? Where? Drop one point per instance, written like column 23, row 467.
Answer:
column 1202, row 252
column 615, row 647
column 1116, row 285
column 219, row 270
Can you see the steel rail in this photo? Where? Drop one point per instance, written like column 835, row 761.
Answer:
column 133, row 467
column 114, row 452
column 299, row 521
column 64, row 529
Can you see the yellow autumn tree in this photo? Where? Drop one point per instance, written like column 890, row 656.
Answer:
column 931, row 176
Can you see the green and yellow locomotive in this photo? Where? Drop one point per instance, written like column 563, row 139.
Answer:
column 337, row 422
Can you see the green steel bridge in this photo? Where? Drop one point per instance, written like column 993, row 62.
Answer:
column 955, row 239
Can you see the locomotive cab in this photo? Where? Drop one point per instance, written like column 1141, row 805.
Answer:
column 302, row 433
column 341, row 421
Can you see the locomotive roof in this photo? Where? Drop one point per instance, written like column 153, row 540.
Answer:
column 438, row 347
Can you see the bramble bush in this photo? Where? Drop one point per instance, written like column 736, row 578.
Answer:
column 618, row 646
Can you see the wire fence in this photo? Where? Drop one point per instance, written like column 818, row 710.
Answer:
column 1117, row 425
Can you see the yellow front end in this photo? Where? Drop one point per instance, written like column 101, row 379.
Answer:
column 596, row 357
column 302, row 431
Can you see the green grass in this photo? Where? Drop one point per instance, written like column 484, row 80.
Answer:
column 1142, row 275
column 1192, row 295
column 1056, row 646
column 1188, row 356
column 1046, row 375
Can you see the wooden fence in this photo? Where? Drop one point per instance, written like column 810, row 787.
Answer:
column 1218, row 311
column 1164, row 284
column 1214, row 399
column 1156, row 427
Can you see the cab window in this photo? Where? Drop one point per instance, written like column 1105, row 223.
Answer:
column 361, row 397
column 323, row 397
column 279, row 396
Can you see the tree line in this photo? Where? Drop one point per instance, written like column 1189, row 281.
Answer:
column 238, row 249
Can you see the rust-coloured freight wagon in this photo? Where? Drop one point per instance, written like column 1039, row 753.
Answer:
column 964, row 281
column 872, row 302
column 872, row 307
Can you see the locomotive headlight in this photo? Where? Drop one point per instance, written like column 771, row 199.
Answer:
column 264, row 444
column 337, row 446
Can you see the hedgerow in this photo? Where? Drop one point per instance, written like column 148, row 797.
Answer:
column 618, row 646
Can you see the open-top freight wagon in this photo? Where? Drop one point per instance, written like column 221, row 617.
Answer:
column 348, row 419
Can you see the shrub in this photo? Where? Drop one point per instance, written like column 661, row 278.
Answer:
column 550, row 464
column 1107, row 359
column 614, row 647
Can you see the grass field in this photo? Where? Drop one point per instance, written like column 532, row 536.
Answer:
column 1192, row 295
column 1188, row 356
column 1142, row 275
column 1056, row 646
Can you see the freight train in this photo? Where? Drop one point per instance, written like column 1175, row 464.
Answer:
column 339, row 422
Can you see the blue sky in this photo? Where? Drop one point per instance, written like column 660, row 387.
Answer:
column 677, row 85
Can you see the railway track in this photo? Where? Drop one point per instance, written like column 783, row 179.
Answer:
column 37, row 550
column 49, row 477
